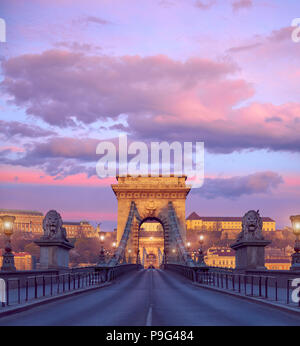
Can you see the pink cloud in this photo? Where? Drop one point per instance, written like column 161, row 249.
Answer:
column 35, row 176
column 89, row 88
column 240, row 4
column 205, row 4
column 13, row 149
column 197, row 99
column 236, row 186
column 78, row 214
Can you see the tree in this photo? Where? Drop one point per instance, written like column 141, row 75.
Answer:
column 86, row 250
column 33, row 249
column 20, row 239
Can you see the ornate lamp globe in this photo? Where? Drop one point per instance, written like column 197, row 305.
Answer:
column 296, row 230
column 201, row 239
column 296, row 224
column 8, row 262
column 8, row 224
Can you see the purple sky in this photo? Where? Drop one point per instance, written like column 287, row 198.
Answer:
column 223, row 72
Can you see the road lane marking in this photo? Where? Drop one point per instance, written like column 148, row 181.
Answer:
column 149, row 314
column 149, row 317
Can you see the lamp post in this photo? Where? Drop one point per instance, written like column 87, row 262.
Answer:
column 188, row 245
column 138, row 260
column 296, row 230
column 201, row 261
column 102, row 254
column 114, row 246
column 8, row 263
column 175, row 255
column 129, row 255
column 165, row 258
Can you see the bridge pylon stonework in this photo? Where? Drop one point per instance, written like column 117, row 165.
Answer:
column 152, row 197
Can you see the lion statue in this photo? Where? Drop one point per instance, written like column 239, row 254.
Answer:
column 251, row 226
column 52, row 225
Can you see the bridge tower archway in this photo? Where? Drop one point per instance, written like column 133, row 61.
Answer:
column 151, row 196
column 151, row 241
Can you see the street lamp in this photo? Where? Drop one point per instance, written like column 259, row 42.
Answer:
column 175, row 255
column 296, row 230
column 188, row 245
column 165, row 258
column 201, row 261
column 102, row 254
column 129, row 255
column 8, row 263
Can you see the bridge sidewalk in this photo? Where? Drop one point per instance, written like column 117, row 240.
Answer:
column 277, row 305
column 12, row 309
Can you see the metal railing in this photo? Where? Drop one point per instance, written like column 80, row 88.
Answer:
column 259, row 286
column 188, row 272
column 23, row 290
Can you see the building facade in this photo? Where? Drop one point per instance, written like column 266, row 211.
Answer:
column 278, row 263
column 26, row 220
column 220, row 257
column 80, row 229
column 23, row 260
column 224, row 257
column 31, row 222
column 204, row 223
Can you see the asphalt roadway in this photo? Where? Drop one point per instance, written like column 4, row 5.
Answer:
column 153, row 298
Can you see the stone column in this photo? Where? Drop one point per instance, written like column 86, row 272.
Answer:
column 250, row 244
column 54, row 254
column 296, row 230
column 54, row 245
column 296, row 256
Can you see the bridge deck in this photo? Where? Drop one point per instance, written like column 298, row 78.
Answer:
column 152, row 297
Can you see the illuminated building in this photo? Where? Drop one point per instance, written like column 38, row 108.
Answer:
column 23, row 260
column 278, row 263
column 26, row 220
column 220, row 257
column 31, row 222
column 225, row 258
column 234, row 224
column 80, row 229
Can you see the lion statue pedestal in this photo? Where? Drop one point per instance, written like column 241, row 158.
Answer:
column 250, row 243
column 54, row 245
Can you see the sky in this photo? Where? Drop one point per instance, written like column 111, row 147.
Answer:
column 225, row 72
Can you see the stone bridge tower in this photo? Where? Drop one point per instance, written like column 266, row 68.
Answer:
column 151, row 196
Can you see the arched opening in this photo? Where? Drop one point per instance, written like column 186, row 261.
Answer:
column 151, row 242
